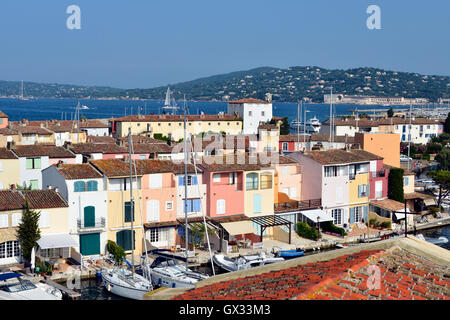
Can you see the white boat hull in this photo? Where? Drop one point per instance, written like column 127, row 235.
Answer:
column 117, row 287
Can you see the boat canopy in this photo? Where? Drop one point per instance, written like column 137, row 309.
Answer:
column 239, row 227
column 59, row 240
column 400, row 216
column 10, row 275
column 317, row 213
column 429, row 202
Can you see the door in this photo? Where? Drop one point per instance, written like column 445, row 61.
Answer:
column 257, row 203
column 90, row 244
column 89, row 217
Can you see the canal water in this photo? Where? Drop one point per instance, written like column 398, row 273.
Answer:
column 93, row 289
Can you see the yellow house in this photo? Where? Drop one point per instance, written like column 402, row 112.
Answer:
column 269, row 138
column 408, row 182
column 53, row 223
column 9, row 169
column 172, row 126
column 120, row 217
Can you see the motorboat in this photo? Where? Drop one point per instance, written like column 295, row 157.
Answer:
column 13, row 287
column 437, row 241
column 289, row 254
column 312, row 125
column 125, row 283
column 172, row 273
column 244, row 262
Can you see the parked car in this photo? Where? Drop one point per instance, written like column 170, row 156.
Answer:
column 405, row 158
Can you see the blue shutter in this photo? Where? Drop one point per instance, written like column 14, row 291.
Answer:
column 352, row 215
column 257, row 203
column 79, row 186
column 196, row 204
column 181, row 181
column 359, row 191
column 194, row 180
column 368, row 190
column 366, row 213
column 189, row 205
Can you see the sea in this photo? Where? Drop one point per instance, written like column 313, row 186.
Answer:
column 64, row 109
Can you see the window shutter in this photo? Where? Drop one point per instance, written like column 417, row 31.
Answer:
column 4, row 221
column 257, row 203
column 352, row 215
column 196, row 205
column 37, row 163
column 16, row 219
column 194, row 180
column 359, row 191
column 128, row 213
column 29, row 163
column 79, row 186
column 181, row 181
column 366, row 213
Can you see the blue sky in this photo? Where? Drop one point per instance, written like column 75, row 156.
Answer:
column 147, row 43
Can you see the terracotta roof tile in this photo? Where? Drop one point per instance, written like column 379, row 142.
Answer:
column 42, row 150
column 37, row 199
column 105, row 148
column 338, row 156
column 6, row 154
column 78, row 171
column 3, row 115
column 388, row 204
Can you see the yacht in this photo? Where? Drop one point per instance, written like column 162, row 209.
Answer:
column 312, row 125
column 244, row 262
column 170, row 104
column 13, row 287
column 172, row 273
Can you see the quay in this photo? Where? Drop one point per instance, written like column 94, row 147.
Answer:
column 68, row 292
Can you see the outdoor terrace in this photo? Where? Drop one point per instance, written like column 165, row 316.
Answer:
column 297, row 205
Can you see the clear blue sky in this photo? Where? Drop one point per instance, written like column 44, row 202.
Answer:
column 147, row 43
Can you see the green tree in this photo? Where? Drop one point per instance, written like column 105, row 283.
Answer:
column 442, row 179
column 395, row 184
column 28, row 232
column 443, row 158
column 390, row 113
column 447, row 124
column 117, row 251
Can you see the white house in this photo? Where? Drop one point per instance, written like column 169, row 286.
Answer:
column 252, row 112
column 82, row 186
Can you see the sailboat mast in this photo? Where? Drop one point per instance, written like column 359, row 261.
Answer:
column 131, row 201
column 185, row 186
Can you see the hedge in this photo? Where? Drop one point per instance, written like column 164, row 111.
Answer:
column 305, row 231
column 331, row 227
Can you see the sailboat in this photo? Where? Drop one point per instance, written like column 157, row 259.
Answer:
column 21, row 97
column 121, row 281
column 169, row 103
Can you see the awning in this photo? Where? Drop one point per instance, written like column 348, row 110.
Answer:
column 429, row 202
column 313, row 214
column 400, row 216
column 61, row 240
column 239, row 227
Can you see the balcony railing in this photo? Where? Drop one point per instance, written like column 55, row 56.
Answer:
column 98, row 224
column 378, row 174
column 297, row 205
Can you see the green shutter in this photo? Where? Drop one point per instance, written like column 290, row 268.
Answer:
column 90, row 244
column 92, row 186
column 128, row 211
column 123, row 239
column 89, row 216
column 29, row 163
column 34, row 184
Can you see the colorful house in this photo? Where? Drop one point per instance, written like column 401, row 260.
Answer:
column 82, row 186
column 9, row 169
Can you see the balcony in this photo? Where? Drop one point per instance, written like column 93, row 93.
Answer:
column 378, row 174
column 86, row 226
column 297, row 205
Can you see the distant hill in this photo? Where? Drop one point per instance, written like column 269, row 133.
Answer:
column 286, row 85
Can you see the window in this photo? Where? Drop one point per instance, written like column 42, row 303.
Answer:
column 363, row 190
column 232, row 177
column 252, row 181
column 331, row 171
column 191, row 180
column 285, row 146
column 378, row 189
column 262, row 113
column 152, row 210
column 406, row 181
column 266, row 181
column 154, row 235
column 4, row 221
column 16, row 219
column 33, row 163
column 220, row 206
column 142, row 157
column 34, row 184
column 44, row 220
column 123, row 239
column 337, row 216
column 358, row 214
column 169, row 205
column 9, row 249
column 249, row 113
column 79, row 186
column 216, row 177
column 92, row 186
column 193, row 205
column 257, row 203
column 156, row 181
column 128, row 211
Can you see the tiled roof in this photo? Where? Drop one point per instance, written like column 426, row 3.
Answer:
column 115, row 167
column 388, row 204
column 151, row 148
column 78, row 171
column 105, row 148
column 8, row 131
column 242, row 162
column 338, row 156
column 418, row 195
column 6, row 154
column 3, row 115
column 326, row 137
column 141, row 139
column 37, row 199
column 149, row 166
column 403, row 276
column 84, row 123
column 248, row 100
column 268, row 126
column 179, row 118
column 42, row 150
column 26, row 129
column 292, row 138
column 42, row 199
column 380, row 122
column 215, row 141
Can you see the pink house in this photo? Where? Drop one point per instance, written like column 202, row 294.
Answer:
column 378, row 181
column 3, row 120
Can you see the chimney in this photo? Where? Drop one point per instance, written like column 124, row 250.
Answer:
column 56, row 189
column 49, row 187
column 12, row 187
column 58, row 165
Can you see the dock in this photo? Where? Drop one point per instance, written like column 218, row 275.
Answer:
column 69, row 292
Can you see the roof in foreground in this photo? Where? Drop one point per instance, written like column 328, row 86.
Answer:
column 388, row 204
column 37, row 199
column 407, row 272
column 339, row 156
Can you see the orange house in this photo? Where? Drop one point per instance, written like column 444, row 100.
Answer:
column 385, row 145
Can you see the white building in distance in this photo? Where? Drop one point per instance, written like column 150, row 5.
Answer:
column 252, row 112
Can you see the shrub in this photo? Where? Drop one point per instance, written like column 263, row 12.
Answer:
column 426, row 157
column 160, row 136
column 386, row 224
column 372, row 222
column 330, row 227
column 305, row 231
column 395, row 184
column 116, row 250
